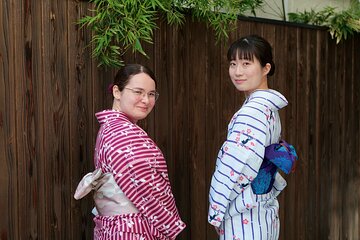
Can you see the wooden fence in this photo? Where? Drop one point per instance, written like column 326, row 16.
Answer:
column 50, row 89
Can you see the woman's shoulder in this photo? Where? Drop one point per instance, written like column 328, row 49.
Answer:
column 110, row 115
column 266, row 99
column 114, row 124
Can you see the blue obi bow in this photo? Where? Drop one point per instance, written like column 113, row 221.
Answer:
column 277, row 156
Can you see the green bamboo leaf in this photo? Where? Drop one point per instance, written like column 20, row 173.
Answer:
column 121, row 25
column 139, row 48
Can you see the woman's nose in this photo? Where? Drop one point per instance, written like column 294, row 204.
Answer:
column 238, row 70
column 145, row 98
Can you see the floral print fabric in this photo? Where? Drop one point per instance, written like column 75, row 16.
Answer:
column 139, row 169
column 233, row 207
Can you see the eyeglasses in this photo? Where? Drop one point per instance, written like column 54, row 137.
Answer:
column 140, row 93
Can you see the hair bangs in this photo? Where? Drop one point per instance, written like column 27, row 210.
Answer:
column 241, row 50
column 245, row 54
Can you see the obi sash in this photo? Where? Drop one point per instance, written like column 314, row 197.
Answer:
column 281, row 156
column 109, row 198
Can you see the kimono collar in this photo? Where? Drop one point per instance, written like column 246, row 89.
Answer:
column 270, row 98
column 110, row 115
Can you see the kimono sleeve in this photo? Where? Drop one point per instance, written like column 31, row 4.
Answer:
column 142, row 176
column 238, row 161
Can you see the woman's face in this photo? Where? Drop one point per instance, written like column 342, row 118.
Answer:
column 137, row 99
column 248, row 76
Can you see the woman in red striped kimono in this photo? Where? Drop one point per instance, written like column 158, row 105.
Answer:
column 133, row 196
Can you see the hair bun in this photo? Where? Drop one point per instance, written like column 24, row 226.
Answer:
column 110, row 88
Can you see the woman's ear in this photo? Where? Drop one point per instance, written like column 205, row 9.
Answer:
column 116, row 92
column 267, row 68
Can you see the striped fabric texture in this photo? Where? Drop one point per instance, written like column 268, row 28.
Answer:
column 234, row 209
column 139, row 168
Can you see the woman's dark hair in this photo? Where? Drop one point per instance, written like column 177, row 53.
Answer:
column 123, row 76
column 249, row 46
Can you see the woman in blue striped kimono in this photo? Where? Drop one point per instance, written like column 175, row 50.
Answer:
column 236, row 211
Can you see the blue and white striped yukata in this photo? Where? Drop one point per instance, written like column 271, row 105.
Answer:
column 234, row 208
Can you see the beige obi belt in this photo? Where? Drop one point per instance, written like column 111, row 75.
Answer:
column 108, row 197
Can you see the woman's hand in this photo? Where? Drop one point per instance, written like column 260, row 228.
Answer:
column 217, row 230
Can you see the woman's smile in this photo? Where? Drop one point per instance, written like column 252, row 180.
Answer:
column 239, row 81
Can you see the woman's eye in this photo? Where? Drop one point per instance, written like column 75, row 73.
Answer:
column 138, row 92
column 151, row 94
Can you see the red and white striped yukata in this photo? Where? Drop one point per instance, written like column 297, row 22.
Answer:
column 139, row 168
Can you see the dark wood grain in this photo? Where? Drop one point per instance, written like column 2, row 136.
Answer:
column 322, row 132
column 197, row 115
column 9, row 197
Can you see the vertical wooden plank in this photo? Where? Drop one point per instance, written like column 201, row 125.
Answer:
column 198, row 79
column 322, row 136
column 98, row 99
column 65, row 191
column 80, row 120
column 37, row 68
column 24, row 100
column 356, row 131
column 276, row 35
column 32, row 120
column 179, row 69
column 56, row 134
column 161, row 117
column 171, row 113
column 213, row 109
column 9, row 226
column 334, row 215
column 288, row 63
column 4, row 124
column 313, row 164
column 256, row 28
column 47, row 143
column 15, row 20
column 273, row 34
column 350, row 174
column 339, row 140
column 75, row 102
column 303, row 131
column 243, row 29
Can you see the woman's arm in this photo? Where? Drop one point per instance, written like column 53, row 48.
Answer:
column 238, row 161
